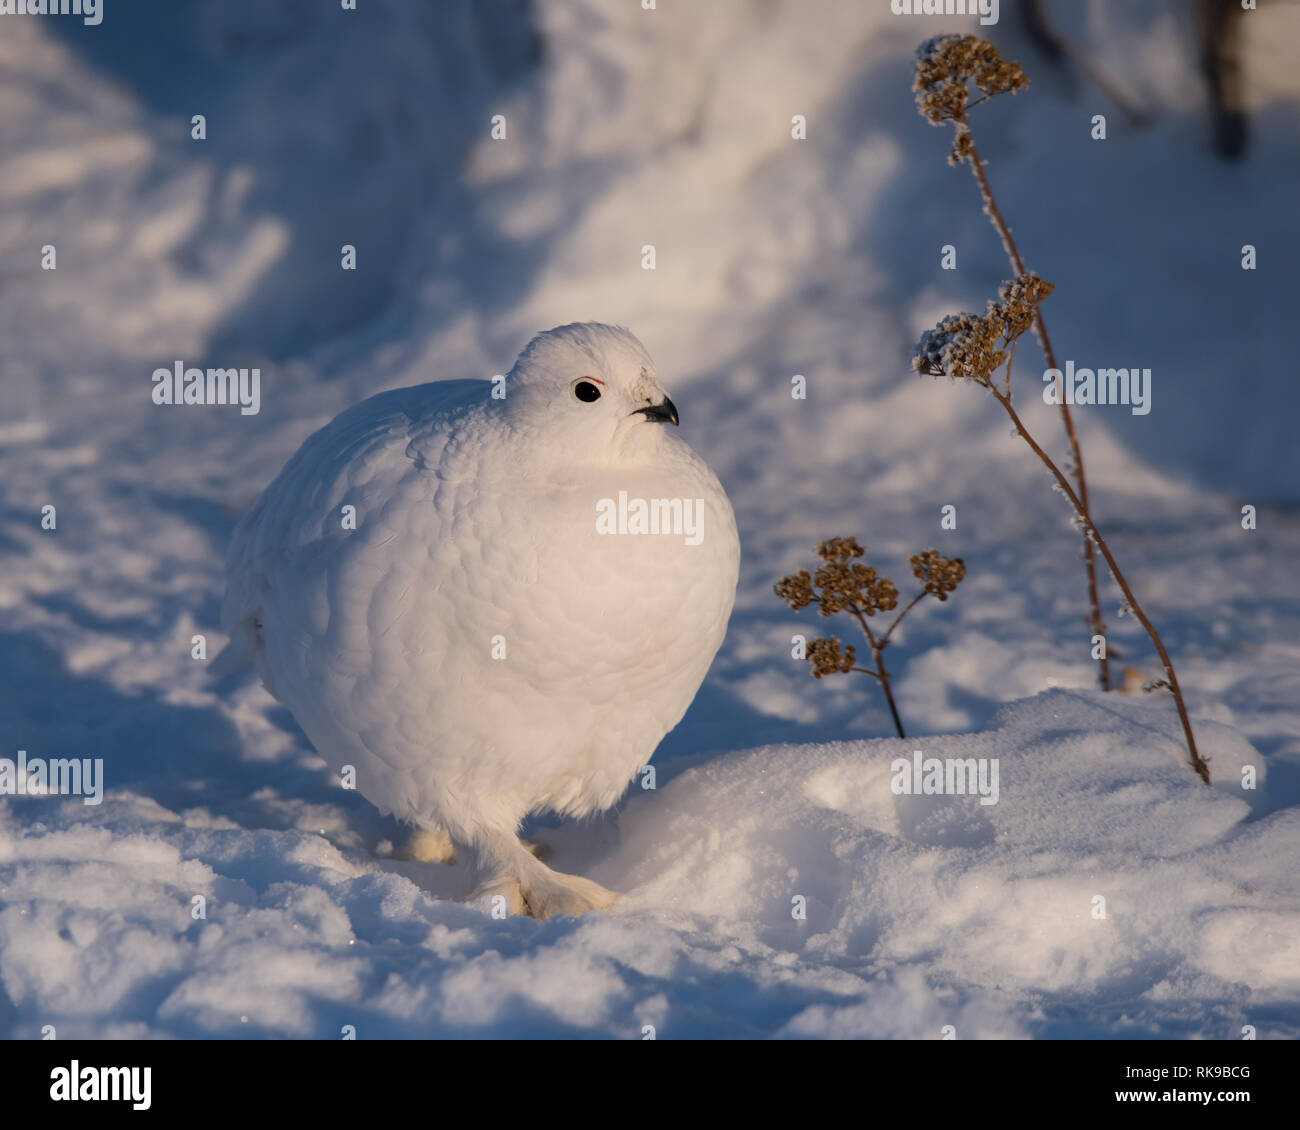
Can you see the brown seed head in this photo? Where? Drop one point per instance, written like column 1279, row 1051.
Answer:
column 940, row 575
column 947, row 64
column 1018, row 300
column 796, row 590
column 962, row 345
column 845, row 585
column 827, row 658
column 974, row 347
column 839, row 549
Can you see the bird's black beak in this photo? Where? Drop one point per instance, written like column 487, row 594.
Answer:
column 665, row 413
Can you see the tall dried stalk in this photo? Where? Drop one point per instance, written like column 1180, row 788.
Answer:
column 945, row 66
column 973, row 347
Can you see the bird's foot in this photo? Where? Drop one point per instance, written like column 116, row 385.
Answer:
column 504, row 895
column 543, row 893
column 425, row 846
column 548, row 893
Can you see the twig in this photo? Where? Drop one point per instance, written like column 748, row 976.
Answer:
column 912, row 604
column 877, row 647
column 1093, row 534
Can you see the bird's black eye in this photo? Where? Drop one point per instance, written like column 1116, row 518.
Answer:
column 587, row 392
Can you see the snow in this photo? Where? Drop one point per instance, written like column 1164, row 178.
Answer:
column 920, row 911
column 775, row 257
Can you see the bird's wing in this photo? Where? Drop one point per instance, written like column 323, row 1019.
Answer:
column 355, row 460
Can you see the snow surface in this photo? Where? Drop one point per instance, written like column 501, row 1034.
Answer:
column 775, row 257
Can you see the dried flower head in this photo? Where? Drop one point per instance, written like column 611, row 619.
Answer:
column 827, row 658
column 940, row 575
column 796, row 590
column 974, row 347
column 844, row 584
column 840, row 583
column 1018, row 303
column 962, row 345
column 839, row 549
column 945, row 67
column 854, row 586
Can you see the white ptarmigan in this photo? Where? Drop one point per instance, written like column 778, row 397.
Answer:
column 493, row 631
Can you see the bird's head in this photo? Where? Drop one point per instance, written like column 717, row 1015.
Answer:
column 593, row 389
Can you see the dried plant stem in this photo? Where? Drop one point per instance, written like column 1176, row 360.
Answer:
column 881, row 675
column 1013, row 252
column 884, row 640
column 878, row 645
column 842, row 584
column 1091, row 533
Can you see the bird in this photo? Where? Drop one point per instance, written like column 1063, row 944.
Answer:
column 491, row 598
